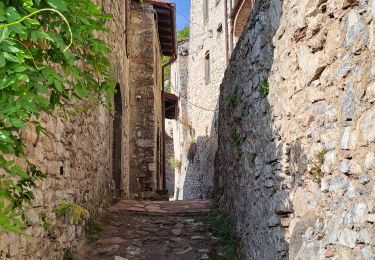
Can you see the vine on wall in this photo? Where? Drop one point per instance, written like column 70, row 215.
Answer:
column 49, row 57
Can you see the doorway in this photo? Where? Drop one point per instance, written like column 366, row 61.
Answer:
column 117, row 140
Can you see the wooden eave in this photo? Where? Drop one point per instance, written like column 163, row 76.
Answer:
column 166, row 18
column 171, row 106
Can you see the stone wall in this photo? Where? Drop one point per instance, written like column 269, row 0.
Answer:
column 196, row 179
column 76, row 157
column 296, row 168
column 170, row 171
column 180, row 127
column 145, row 102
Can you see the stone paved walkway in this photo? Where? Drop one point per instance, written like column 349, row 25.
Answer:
column 153, row 231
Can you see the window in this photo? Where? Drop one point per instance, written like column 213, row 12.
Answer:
column 219, row 28
column 207, row 67
column 205, row 10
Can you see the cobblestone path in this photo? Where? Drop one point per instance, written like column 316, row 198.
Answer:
column 153, row 231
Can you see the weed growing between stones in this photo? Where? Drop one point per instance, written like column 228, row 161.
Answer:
column 223, row 227
column 175, row 163
column 92, row 228
column 68, row 254
column 236, row 139
column 45, row 221
column 273, row 191
column 71, row 212
column 231, row 101
column 252, row 156
column 264, row 88
column 315, row 169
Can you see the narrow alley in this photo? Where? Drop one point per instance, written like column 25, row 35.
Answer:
column 153, row 230
column 187, row 129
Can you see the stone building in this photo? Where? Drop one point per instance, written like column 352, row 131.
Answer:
column 295, row 165
column 178, row 129
column 91, row 158
column 214, row 29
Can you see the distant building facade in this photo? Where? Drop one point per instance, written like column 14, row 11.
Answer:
column 214, row 30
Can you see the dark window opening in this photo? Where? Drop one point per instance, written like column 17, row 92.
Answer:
column 219, row 28
column 207, row 67
column 61, row 170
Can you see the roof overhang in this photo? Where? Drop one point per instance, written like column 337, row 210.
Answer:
column 171, row 106
column 166, row 18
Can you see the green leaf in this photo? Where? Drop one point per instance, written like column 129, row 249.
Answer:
column 58, row 4
column 12, row 14
column 35, row 35
column 4, row 194
column 10, row 48
column 31, row 107
column 46, row 36
column 4, row 33
column 16, row 122
column 42, row 89
column 5, row 136
column 23, row 77
column 16, row 170
column 58, row 86
column 11, row 57
column 6, row 148
column 81, row 91
column 2, row 60
column 2, row 12
column 21, row 68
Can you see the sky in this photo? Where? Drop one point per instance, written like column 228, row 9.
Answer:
column 183, row 9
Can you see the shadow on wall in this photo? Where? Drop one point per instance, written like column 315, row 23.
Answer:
column 194, row 180
column 250, row 182
column 198, row 179
column 170, row 171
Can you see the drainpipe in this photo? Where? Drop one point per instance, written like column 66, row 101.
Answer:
column 226, row 30
column 171, row 60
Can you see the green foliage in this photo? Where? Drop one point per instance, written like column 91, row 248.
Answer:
column 315, row 171
column 235, row 139
column 223, row 227
column 92, row 228
column 231, row 101
column 183, row 34
column 273, row 191
column 68, row 254
column 264, row 88
column 45, row 221
column 252, row 156
column 175, row 163
column 49, row 57
column 319, row 156
column 167, row 74
column 72, row 212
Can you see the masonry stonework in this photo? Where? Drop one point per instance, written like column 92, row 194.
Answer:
column 76, row 157
column 296, row 168
column 200, row 108
column 78, row 154
column 145, row 102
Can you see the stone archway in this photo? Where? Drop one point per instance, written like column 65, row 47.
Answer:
column 117, row 139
